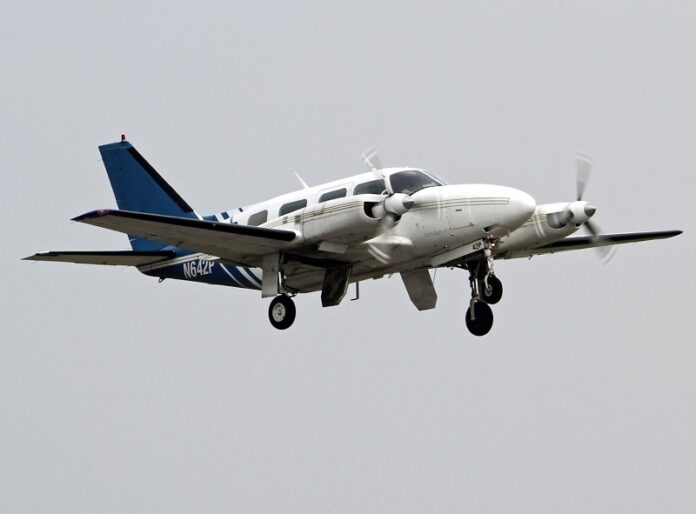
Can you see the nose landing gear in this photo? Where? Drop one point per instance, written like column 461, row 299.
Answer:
column 491, row 289
column 479, row 317
column 486, row 290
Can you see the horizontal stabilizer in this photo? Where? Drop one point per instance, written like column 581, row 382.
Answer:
column 117, row 258
column 582, row 242
column 240, row 244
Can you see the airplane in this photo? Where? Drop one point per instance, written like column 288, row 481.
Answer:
column 384, row 221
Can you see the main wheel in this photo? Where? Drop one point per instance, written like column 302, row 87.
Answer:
column 494, row 292
column 483, row 319
column 282, row 312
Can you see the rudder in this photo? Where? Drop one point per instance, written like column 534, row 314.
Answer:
column 138, row 187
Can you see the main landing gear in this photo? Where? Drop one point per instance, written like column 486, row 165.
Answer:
column 486, row 290
column 282, row 312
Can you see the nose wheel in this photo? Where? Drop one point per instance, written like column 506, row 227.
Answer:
column 479, row 318
column 282, row 312
column 491, row 289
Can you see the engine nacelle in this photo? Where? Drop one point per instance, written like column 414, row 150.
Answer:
column 549, row 223
column 346, row 220
column 575, row 213
column 395, row 204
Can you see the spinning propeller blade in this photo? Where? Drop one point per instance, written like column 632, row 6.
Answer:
column 606, row 252
column 371, row 158
column 393, row 206
column 583, row 169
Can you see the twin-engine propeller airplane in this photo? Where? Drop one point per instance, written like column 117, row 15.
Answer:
column 322, row 238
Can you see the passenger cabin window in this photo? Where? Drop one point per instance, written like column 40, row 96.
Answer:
column 292, row 206
column 258, row 218
column 374, row 187
column 410, row 181
column 332, row 195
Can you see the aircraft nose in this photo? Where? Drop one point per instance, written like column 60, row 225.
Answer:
column 519, row 207
column 522, row 206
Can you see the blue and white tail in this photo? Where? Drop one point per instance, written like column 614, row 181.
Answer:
column 138, row 187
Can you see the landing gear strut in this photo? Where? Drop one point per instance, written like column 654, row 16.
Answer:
column 282, row 312
column 486, row 289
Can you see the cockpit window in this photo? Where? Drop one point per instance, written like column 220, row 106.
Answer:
column 410, row 181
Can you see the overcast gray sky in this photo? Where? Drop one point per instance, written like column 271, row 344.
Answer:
column 119, row 394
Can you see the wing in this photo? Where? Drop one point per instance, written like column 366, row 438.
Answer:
column 118, row 258
column 240, row 244
column 582, row 242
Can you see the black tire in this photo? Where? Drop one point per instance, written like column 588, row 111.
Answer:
column 483, row 319
column 496, row 292
column 281, row 312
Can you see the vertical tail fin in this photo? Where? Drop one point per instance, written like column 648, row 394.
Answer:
column 138, row 187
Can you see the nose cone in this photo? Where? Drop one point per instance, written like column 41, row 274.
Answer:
column 521, row 207
column 518, row 207
column 590, row 210
column 524, row 202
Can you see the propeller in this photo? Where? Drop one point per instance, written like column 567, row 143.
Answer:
column 583, row 167
column 371, row 158
column 388, row 211
column 583, row 170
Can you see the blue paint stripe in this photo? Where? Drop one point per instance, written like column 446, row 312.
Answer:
column 253, row 276
column 241, row 279
column 230, row 276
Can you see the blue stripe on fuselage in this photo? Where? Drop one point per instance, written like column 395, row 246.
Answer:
column 255, row 279
column 197, row 269
column 240, row 277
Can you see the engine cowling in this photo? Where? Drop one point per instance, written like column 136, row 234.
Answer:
column 344, row 220
column 352, row 219
column 576, row 213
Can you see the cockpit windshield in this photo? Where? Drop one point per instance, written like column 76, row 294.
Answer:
column 410, row 181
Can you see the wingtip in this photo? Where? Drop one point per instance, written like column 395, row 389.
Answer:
column 36, row 256
column 91, row 214
column 673, row 233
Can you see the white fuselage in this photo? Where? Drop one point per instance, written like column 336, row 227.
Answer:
column 441, row 218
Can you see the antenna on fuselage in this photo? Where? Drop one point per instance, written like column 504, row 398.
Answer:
column 304, row 184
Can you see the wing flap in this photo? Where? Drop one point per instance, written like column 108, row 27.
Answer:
column 240, row 244
column 115, row 258
column 583, row 242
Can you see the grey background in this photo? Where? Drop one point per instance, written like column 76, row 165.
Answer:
column 121, row 395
